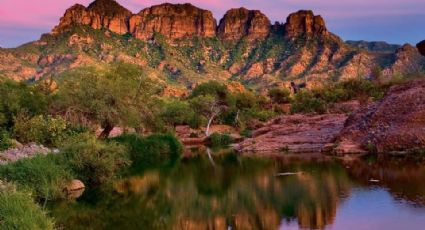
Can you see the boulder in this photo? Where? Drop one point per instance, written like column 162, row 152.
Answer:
column 239, row 23
column 395, row 123
column 74, row 189
column 173, row 21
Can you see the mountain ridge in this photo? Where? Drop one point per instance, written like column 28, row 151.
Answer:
column 182, row 45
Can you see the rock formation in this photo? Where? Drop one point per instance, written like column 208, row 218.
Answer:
column 173, row 21
column 304, row 22
column 295, row 134
column 239, row 23
column 421, row 47
column 99, row 14
column 396, row 123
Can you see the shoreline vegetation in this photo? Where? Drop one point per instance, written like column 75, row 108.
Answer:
column 66, row 116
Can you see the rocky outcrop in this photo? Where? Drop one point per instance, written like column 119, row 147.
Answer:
column 23, row 151
column 379, row 47
column 174, row 21
column 421, row 47
column 396, row 123
column 407, row 60
column 239, row 23
column 295, row 134
column 99, row 14
column 304, row 22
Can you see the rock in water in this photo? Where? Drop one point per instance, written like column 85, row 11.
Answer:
column 240, row 23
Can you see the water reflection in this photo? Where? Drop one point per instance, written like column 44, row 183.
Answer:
column 235, row 192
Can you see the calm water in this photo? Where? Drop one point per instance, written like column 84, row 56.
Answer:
column 233, row 192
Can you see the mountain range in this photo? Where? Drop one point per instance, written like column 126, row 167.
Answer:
column 182, row 45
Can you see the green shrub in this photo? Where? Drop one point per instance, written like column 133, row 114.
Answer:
column 280, row 95
column 94, row 161
column 246, row 133
column 219, row 140
column 18, row 211
column 306, row 102
column 154, row 150
column 5, row 141
column 46, row 130
column 42, row 174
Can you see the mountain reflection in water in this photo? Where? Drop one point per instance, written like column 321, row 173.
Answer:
column 238, row 192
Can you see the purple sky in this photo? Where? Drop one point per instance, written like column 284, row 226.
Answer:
column 394, row 21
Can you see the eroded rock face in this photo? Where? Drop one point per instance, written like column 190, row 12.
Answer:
column 173, row 21
column 304, row 22
column 395, row 123
column 239, row 23
column 295, row 134
column 421, row 47
column 99, row 14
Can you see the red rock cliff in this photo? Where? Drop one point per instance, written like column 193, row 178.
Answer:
column 173, row 21
column 304, row 22
column 239, row 23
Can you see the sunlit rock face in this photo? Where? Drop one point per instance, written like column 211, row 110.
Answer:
column 99, row 14
column 173, row 21
column 240, row 23
column 304, row 22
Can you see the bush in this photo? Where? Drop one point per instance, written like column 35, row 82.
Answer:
column 154, row 150
column 41, row 174
column 306, row 102
column 219, row 140
column 279, row 95
column 5, row 141
column 18, row 211
column 46, row 130
column 93, row 161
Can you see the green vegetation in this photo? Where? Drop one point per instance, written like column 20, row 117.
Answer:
column 43, row 175
column 18, row 211
column 219, row 140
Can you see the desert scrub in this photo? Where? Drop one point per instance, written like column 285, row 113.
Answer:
column 94, row 161
column 41, row 174
column 154, row 150
column 47, row 130
column 19, row 211
column 219, row 140
column 306, row 102
column 5, row 141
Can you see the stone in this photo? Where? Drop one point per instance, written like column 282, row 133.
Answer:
column 74, row 189
column 241, row 22
column 295, row 134
column 173, row 21
column 304, row 22
column 99, row 14
column 395, row 123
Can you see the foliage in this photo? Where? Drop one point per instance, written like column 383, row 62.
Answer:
column 176, row 112
column 306, row 102
column 212, row 88
column 46, row 130
column 5, row 141
column 42, row 174
column 153, row 150
column 217, row 140
column 94, row 161
column 113, row 97
column 19, row 97
column 279, row 95
column 18, row 211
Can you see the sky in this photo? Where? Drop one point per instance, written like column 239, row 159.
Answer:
column 393, row 21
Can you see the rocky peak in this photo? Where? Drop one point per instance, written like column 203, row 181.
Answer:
column 304, row 22
column 173, row 21
column 241, row 22
column 99, row 14
column 421, row 47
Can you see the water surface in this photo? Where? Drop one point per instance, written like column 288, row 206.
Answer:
column 233, row 192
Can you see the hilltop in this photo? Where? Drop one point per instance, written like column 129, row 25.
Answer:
column 182, row 45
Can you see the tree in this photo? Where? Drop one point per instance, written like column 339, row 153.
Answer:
column 209, row 99
column 176, row 112
column 116, row 96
